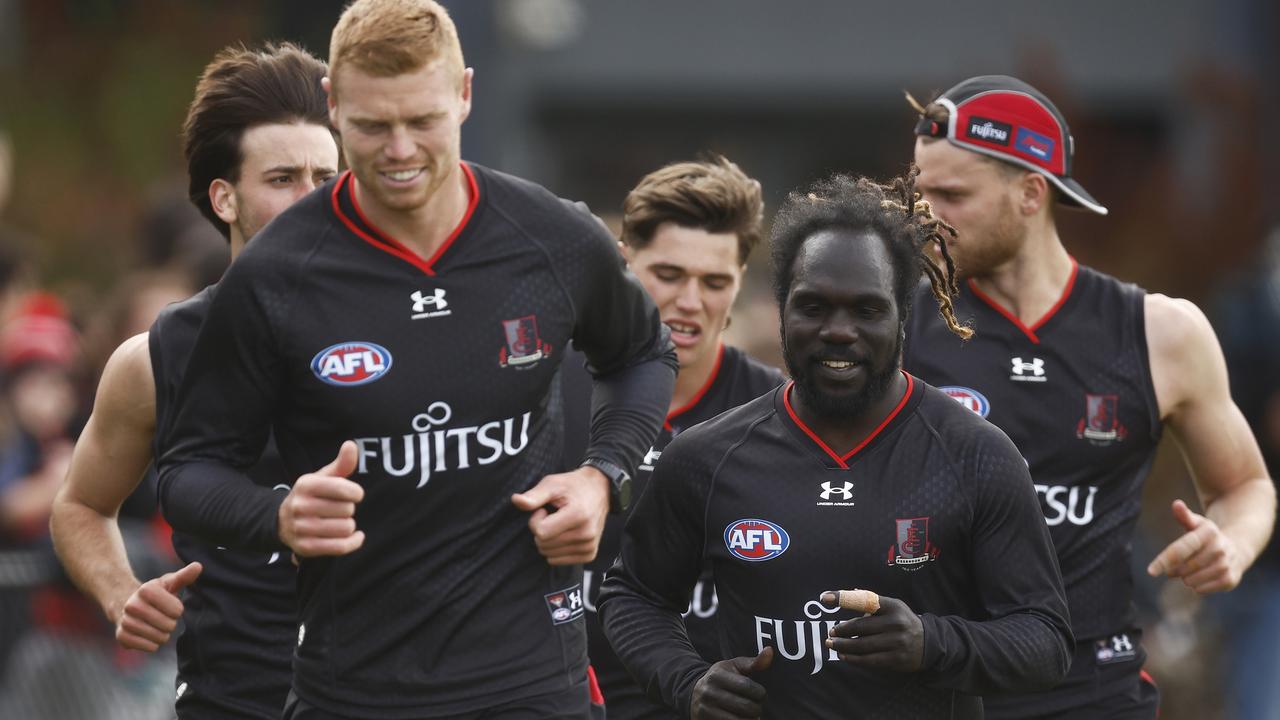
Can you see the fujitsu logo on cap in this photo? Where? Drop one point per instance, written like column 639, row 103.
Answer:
column 756, row 540
column 351, row 363
column 992, row 131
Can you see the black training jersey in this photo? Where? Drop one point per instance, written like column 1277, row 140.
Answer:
column 934, row 508
column 1074, row 394
column 736, row 379
column 235, row 650
column 442, row 372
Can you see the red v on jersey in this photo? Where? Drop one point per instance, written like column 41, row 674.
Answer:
column 344, row 193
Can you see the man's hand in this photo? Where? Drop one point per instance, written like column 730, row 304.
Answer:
column 727, row 692
column 1204, row 557
column 892, row 639
column 318, row 516
column 569, row 533
column 152, row 611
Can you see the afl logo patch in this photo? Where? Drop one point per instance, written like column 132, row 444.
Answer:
column 756, row 540
column 969, row 398
column 351, row 363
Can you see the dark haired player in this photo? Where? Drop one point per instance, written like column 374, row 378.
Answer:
column 401, row 330
column 687, row 231
column 1083, row 372
column 257, row 139
column 856, row 475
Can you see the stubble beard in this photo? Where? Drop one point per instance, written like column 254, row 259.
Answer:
column 841, row 408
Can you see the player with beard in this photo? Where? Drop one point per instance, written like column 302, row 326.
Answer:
column 256, row 138
column 402, row 330
column 1083, row 372
column 855, row 475
column 687, row 232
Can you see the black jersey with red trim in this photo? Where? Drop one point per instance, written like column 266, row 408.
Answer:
column 235, row 652
column 736, row 378
column 1074, row 394
column 442, row 371
column 935, row 508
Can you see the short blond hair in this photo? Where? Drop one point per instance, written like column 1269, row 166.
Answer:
column 385, row 38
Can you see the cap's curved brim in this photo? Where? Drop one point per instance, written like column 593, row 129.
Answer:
column 1073, row 193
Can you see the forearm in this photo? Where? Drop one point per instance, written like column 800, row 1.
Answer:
column 1246, row 514
column 628, row 408
column 1023, row 652
column 92, row 550
column 652, row 642
column 220, row 505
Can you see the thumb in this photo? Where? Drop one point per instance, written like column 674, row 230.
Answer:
column 344, row 464
column 535, row 497
column 750, row 666
column 1185, row 516
column 175, row 581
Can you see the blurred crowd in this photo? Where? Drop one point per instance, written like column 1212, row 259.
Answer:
column 58, row 657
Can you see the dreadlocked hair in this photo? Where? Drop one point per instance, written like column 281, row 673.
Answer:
column 895, row 212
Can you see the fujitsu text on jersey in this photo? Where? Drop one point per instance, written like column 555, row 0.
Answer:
column 433, row 446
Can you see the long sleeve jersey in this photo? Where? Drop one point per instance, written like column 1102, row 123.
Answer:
column 442, row 370
column 736, row 378
column 935, row 509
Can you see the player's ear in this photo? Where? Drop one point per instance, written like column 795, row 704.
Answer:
column 1034, row 193
column 222, row 196
column 467, row 74
column 327, row 84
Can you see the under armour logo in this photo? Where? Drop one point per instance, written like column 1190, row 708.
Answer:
column 650, row 458
column 433, row 305
column 1035, row 368
column 575, row 599
column 1121, row 643
column 845, row 493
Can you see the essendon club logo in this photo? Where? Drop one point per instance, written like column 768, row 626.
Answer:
column 565, row 605
column 1100, row 425
column 913, row 548
column 524, row 347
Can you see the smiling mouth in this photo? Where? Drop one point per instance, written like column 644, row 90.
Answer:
column 401, row 176
column 683, row 328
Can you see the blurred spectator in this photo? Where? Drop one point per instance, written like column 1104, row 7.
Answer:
column 174, row 235
column 1248, row 323
column 38, row 352
column 130, row 308
column 37, row 349
column 61, row 658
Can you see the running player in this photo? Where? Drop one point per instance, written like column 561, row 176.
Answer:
column 855, row 475
column 687, row 232
column 257, row 139
column 1083, row 372
column 404, row 327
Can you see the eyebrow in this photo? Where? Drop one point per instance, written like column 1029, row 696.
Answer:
column 682, row 269
column 295, row 169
